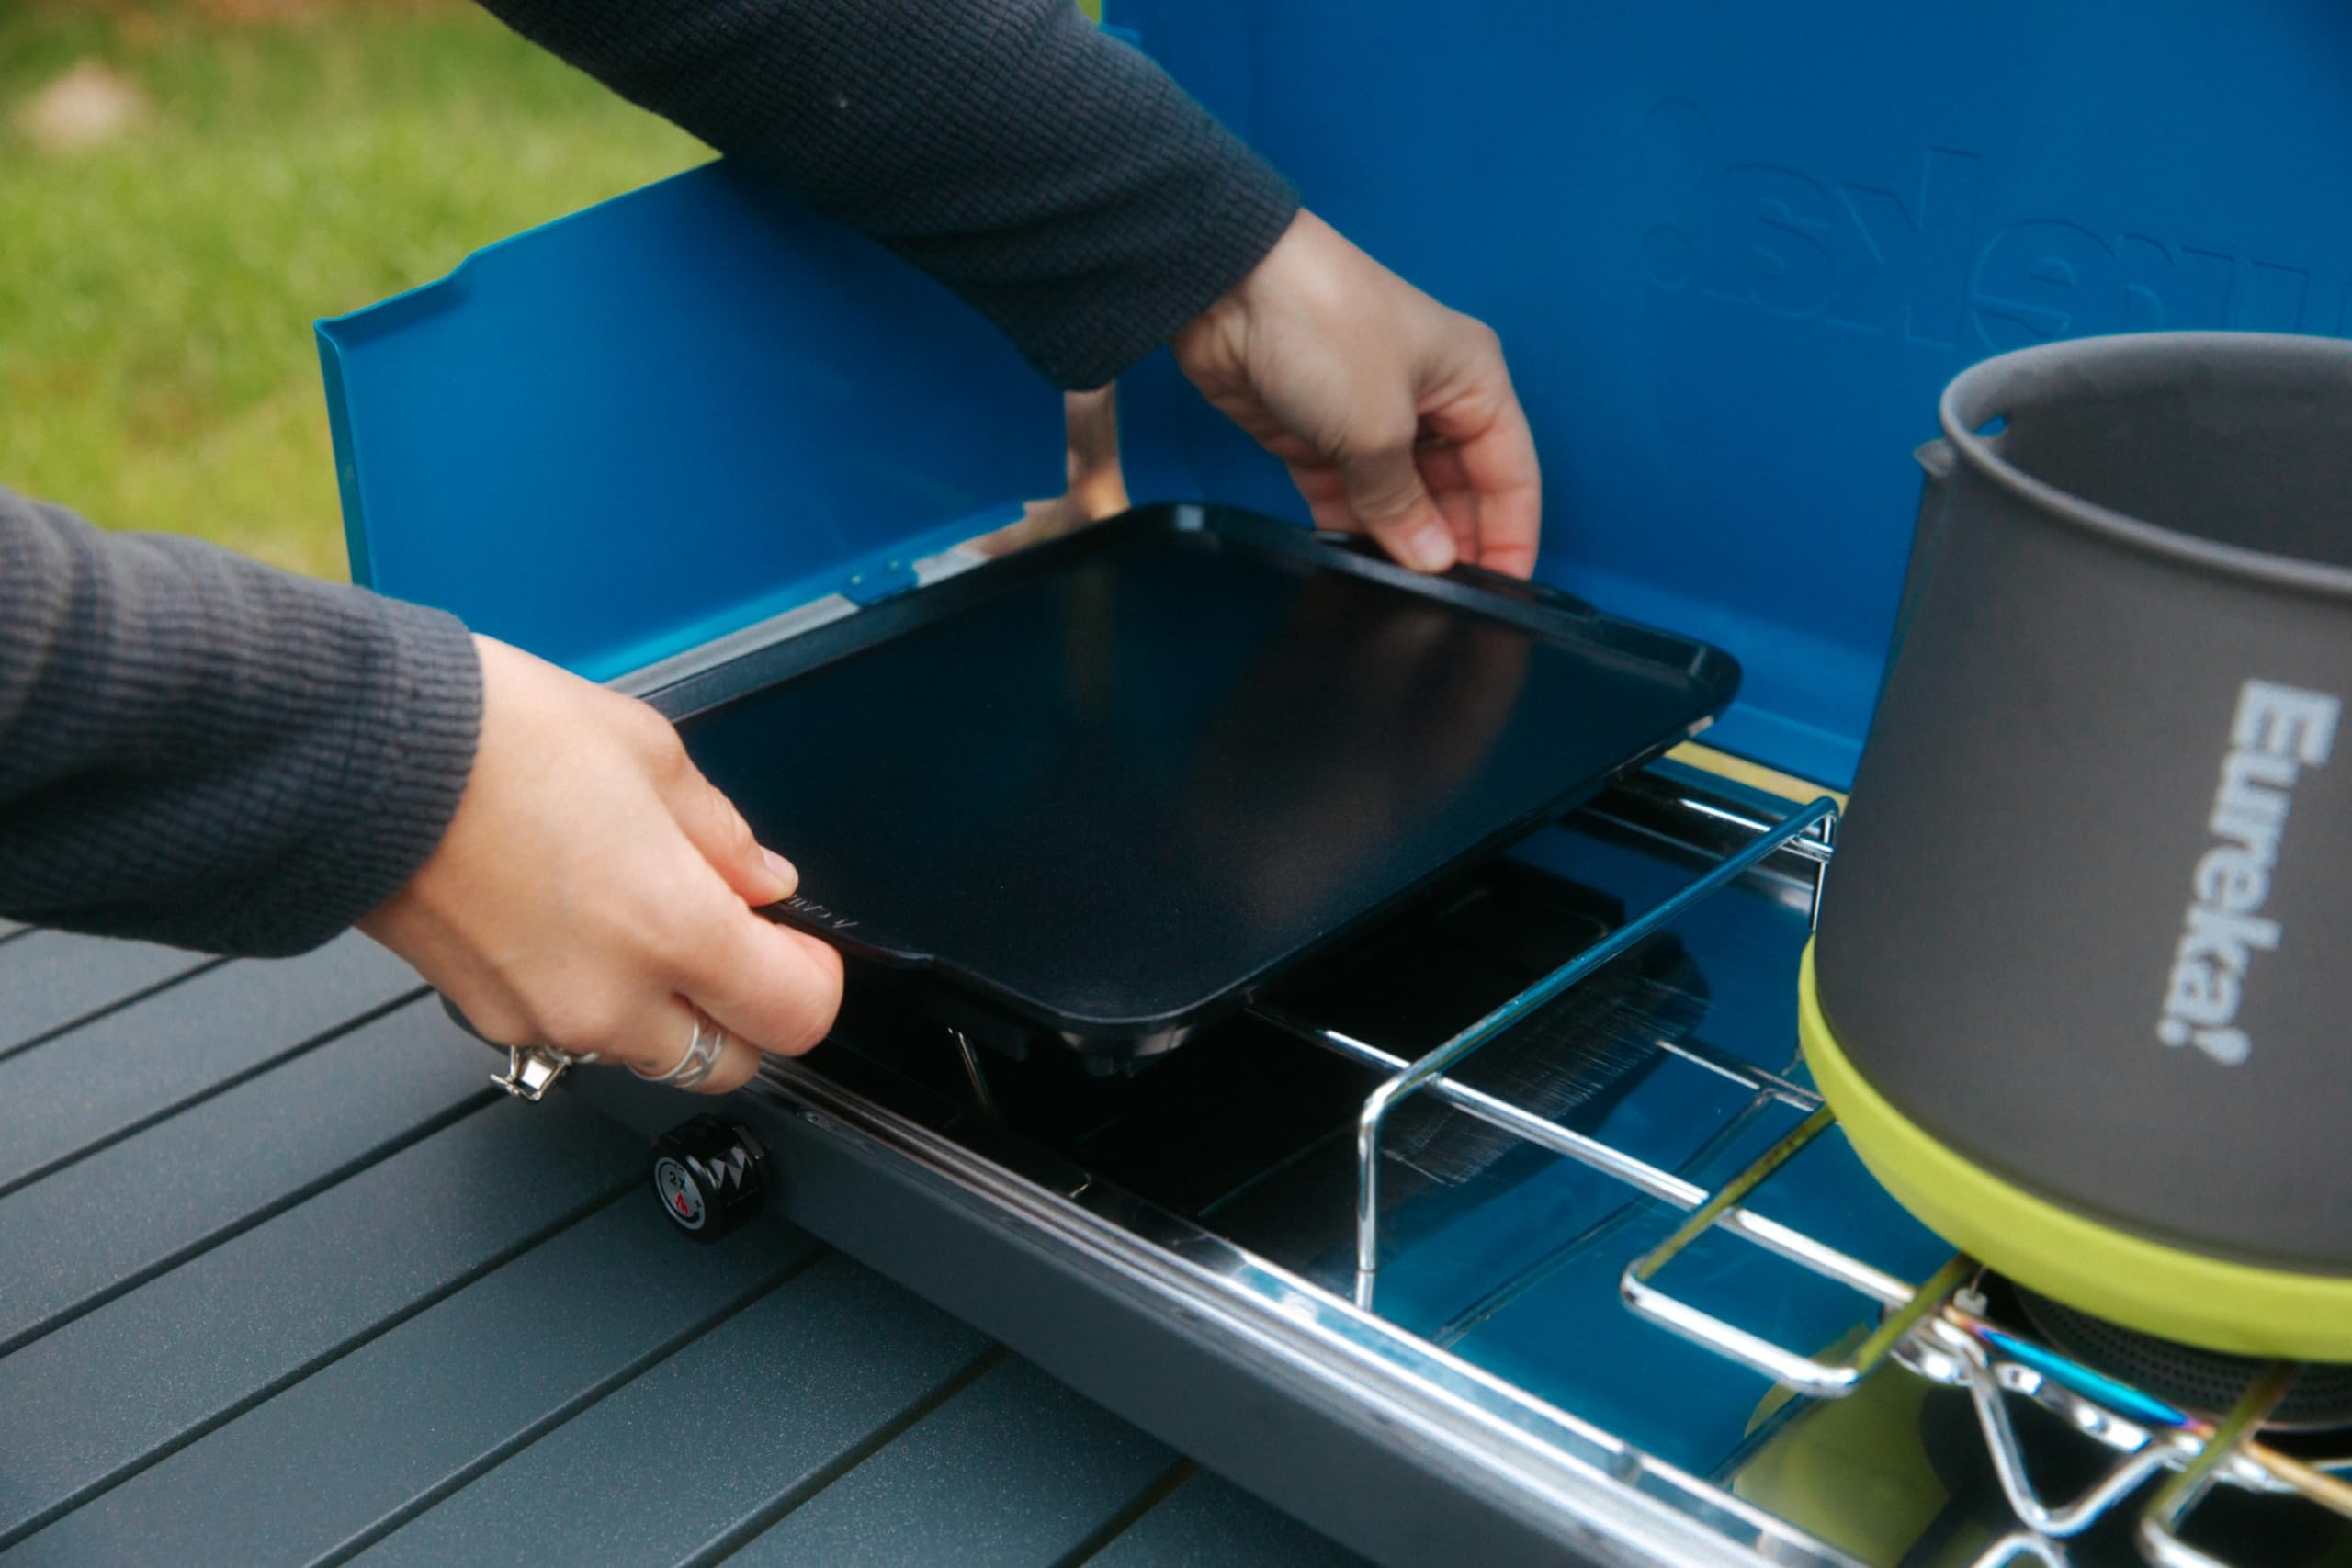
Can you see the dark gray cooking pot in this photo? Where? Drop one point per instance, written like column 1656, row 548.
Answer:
column 2090, row 923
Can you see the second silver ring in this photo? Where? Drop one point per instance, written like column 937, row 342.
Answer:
column 703, row 1051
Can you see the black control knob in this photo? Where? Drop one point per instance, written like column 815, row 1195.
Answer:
column 710, row 1177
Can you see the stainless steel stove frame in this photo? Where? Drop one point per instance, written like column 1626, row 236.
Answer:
column 1382, row 1438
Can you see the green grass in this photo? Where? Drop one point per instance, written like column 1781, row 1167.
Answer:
column 156, row 293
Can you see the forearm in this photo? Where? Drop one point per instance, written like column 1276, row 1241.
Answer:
column 1054, row 177
column 198, row 749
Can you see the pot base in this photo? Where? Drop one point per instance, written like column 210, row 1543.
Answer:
column 2207, row 1382
column 2148, row 1285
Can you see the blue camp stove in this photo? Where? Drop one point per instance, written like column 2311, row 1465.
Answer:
column 1609, row 1286
column 1512, row 1229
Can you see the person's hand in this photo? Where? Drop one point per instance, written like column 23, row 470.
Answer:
column 1095, row 487
column 1395, row 414
column 591, row 885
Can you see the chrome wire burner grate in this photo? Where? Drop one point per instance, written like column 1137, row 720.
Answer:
column 1939, row 1328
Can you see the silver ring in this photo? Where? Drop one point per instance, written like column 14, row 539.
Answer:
column 531, row 1070
column 702, row 1055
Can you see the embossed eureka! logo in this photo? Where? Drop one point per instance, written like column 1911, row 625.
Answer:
column 810, row 909
column 1933, row 259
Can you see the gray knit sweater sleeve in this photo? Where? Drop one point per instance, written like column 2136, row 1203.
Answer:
column 1053, row 176
column 200, row 750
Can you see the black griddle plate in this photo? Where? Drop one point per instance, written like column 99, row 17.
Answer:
column 1103, row 790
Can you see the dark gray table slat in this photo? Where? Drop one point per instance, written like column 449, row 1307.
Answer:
column 96, row 1082
column 84, row 1405
column 1208, row 1522
column 49, row 978
column 473, row 1374
column 785, row 1391
column 156, row 1195
column 1015, row 1472
column 268, row 1304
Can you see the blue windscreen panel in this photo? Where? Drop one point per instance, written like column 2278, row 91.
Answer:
column 1735, row 249
column 668, row 417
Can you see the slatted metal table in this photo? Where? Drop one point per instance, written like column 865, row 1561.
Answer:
column 283, row 1280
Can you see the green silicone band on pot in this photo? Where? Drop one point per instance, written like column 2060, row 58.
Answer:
column 2142, row 1284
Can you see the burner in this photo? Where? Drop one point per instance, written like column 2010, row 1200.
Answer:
column 2207, row 1383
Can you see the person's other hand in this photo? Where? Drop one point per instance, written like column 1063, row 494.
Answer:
column 1095, row 488
column 1395, row 414
column 593, row 885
